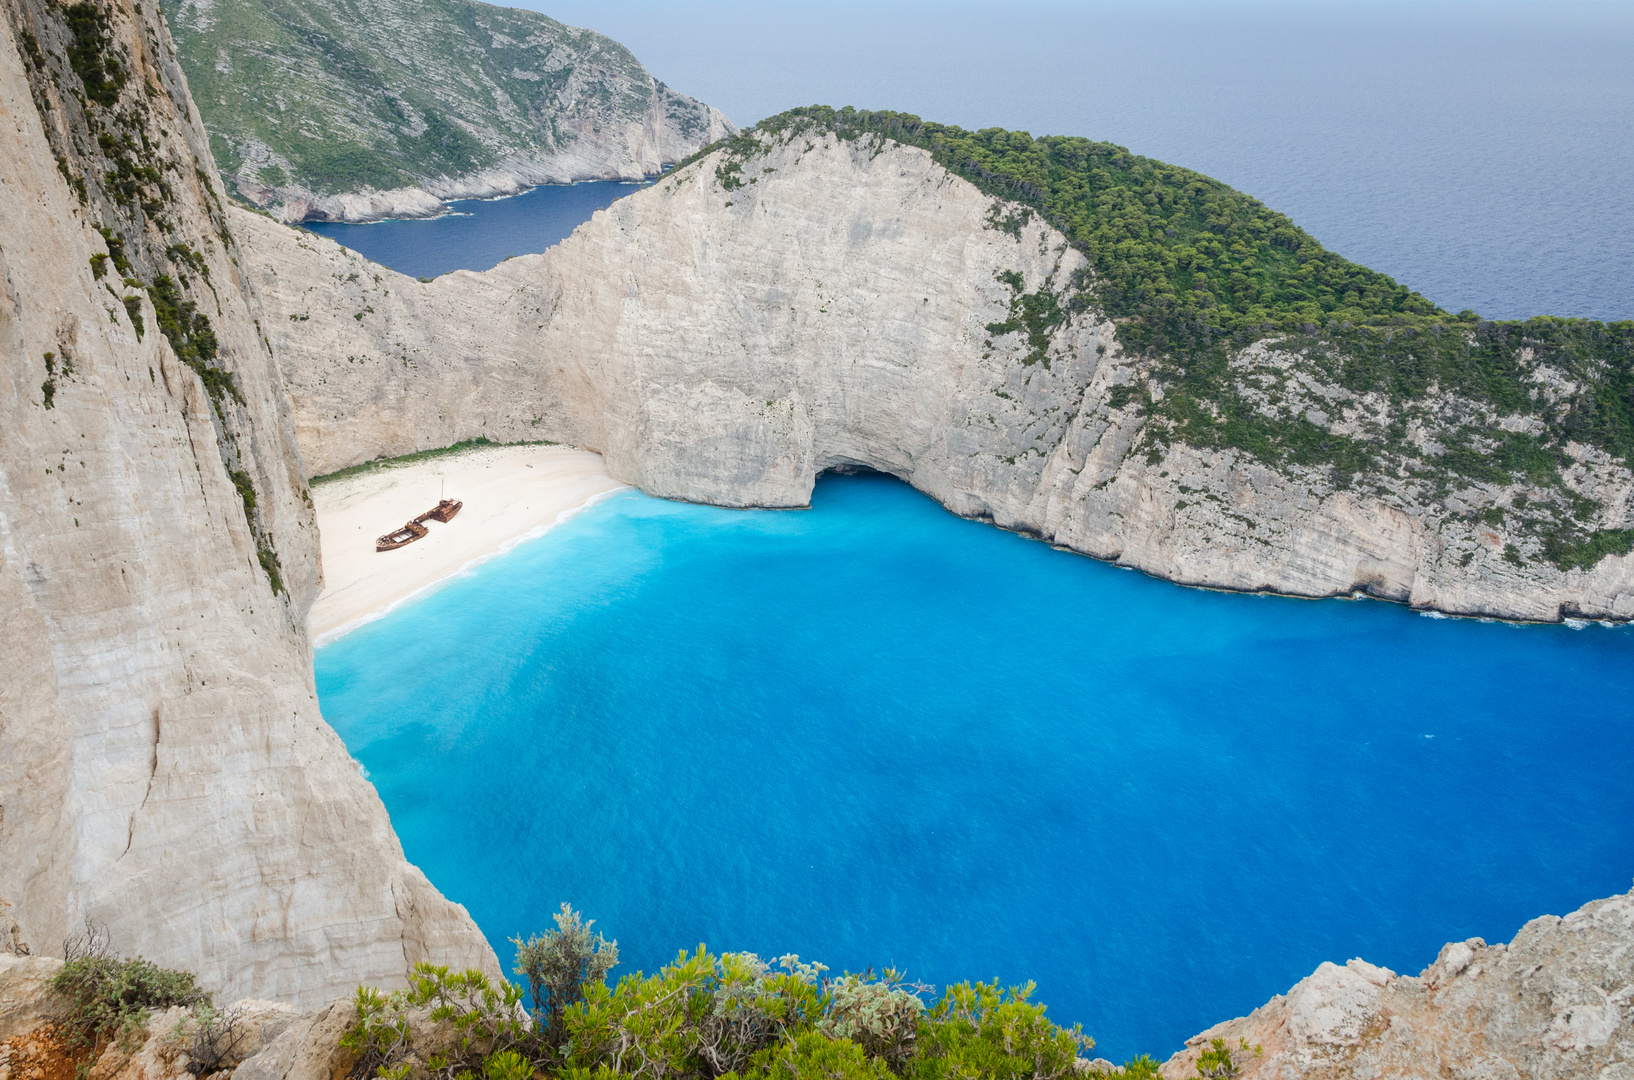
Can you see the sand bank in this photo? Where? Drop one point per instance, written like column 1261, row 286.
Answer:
column 510, row 493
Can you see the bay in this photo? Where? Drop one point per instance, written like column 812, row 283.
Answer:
column 875, row 734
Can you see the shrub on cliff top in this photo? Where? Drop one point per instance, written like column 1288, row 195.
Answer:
column 560, row 963
column 111, row 998
column 703, row 1017
column 1181, row 259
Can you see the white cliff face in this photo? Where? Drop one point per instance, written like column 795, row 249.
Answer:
column 728, row 345
column 714, row 346
column 1558, row 1001
column 163, row 765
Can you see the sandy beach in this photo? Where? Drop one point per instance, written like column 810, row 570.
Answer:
column 510, row 493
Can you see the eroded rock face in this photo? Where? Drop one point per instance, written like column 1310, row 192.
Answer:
column 1558, row 1001
column 164, row 769
column 725, row 337
column 26, row 1000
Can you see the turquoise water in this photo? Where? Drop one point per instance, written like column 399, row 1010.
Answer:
column 872, row 733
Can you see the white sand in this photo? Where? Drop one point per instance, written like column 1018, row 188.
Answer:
column 511, row 493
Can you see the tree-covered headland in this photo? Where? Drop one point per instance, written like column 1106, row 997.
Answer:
column 1193, row 271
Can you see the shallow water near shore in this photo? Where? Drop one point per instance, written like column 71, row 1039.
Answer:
column 873, row 733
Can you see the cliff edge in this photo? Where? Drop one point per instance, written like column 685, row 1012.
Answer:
column 1556, row 1003
column 164, row 769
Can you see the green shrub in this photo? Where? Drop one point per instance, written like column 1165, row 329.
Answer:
column 976, row 1029
column 559, row 963
column 212, row 1037
column 507, row 1065
column 133, row 308
column 701, row 1016
column 704, row 1017
column 479, row 1018
column 1219, row 1061
column 110, row 998
column 881, row 1016
column 811, row 1056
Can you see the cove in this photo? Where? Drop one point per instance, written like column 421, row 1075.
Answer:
column 478, row 234
column 875, row 734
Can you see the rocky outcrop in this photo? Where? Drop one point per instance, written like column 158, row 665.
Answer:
column 26, row 1000
column 173, row 1043
column 369, row 109
column 1556, row 1002
column 180, row 1044
column 164, row 769
column 749, row 322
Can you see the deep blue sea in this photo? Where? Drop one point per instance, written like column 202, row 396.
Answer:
column 478, row 234
column 873, row 733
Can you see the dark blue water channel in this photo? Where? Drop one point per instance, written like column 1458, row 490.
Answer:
column 873, row 733
column 478, row 234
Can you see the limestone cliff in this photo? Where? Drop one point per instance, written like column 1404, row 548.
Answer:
column 163, row 765
column 752, row 320
column 365, row 109
column 1558, row 1001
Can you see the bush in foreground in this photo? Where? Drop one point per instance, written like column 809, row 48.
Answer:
column 112, row 998
column 703, row 1017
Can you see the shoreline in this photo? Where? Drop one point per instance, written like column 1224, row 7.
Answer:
column 512, row 494
column 449, row 211
column 415, row 203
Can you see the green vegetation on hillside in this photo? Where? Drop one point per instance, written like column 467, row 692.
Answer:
column 136, row 186
column 101, row 73
column 1180, row 256
column 420, row 455
column 340, row 96
column 703, row 1017
column 1192, row 271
